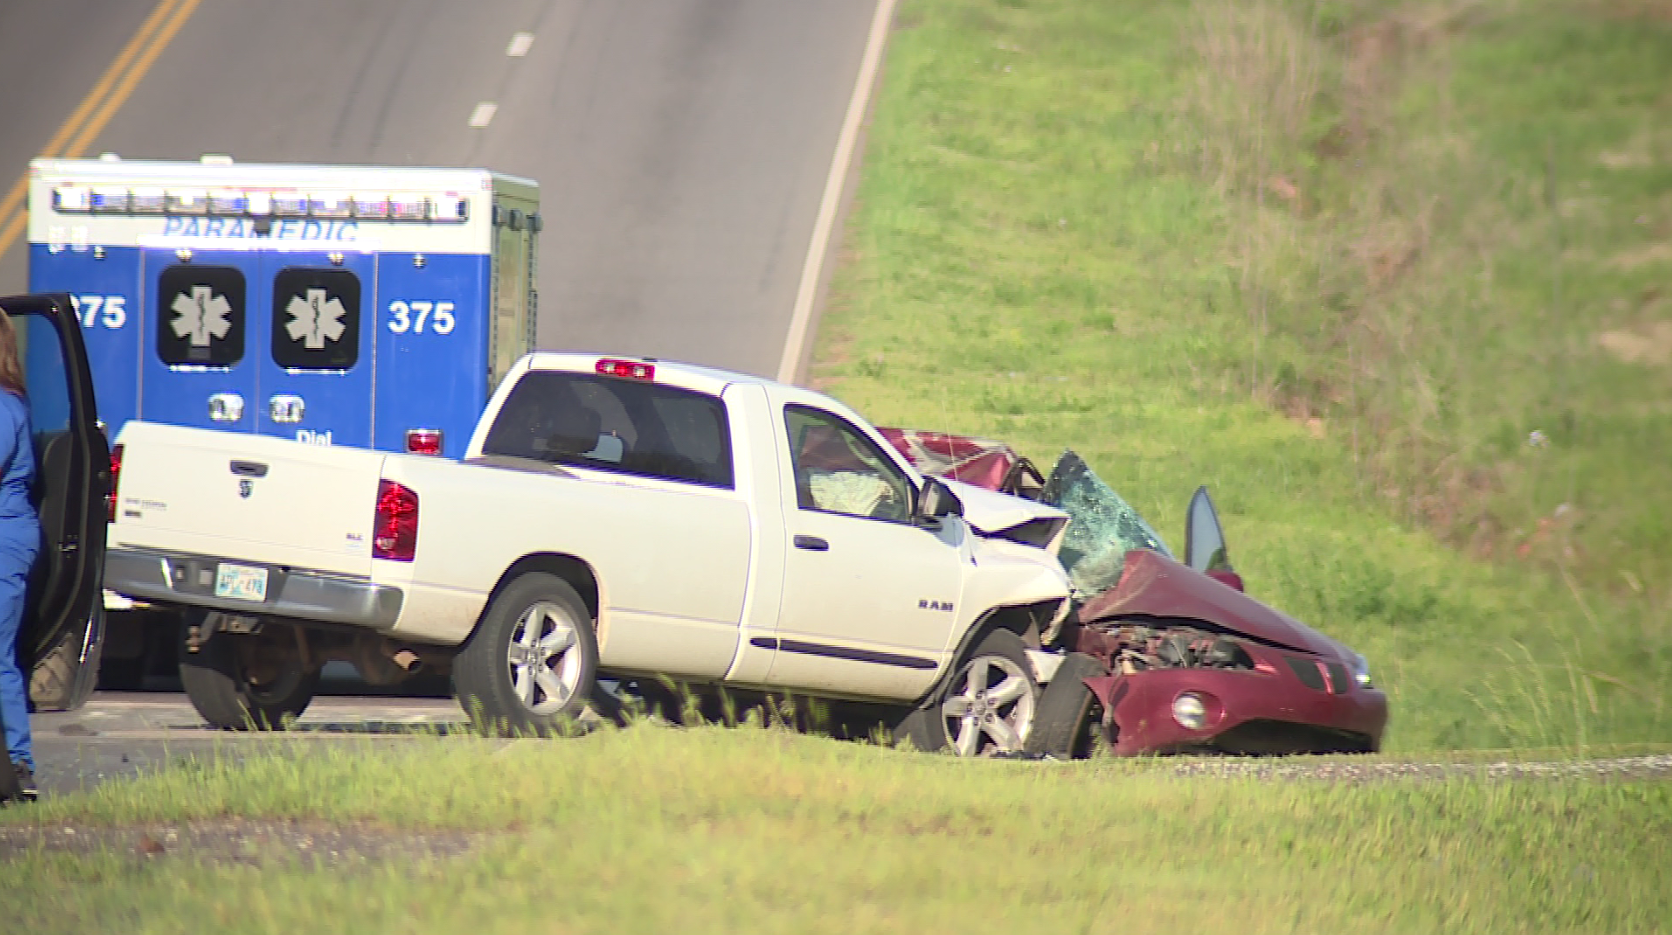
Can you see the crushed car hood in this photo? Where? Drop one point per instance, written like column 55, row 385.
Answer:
column 1153, row 585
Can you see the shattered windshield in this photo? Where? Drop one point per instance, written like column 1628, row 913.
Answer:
column 1102, row 527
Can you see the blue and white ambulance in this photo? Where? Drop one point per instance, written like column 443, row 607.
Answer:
column 374, row 306
column 353, row 305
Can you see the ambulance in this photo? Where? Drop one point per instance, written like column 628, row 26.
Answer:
column 355, row 305
column 374, row 306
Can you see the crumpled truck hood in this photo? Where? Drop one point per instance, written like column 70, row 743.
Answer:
column 992, row 513
column 1153, row 585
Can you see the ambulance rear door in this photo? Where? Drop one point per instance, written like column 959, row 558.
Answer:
column 316, row 367
column 203, row 342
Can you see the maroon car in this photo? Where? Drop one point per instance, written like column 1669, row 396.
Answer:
column 1164, row 656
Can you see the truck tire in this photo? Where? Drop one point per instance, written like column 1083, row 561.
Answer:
column 1062, row 724
column 532, row 664
column 214, row 679
column 64, row 677
column 987, row 707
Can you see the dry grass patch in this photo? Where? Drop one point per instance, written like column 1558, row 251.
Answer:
column 1650, row 344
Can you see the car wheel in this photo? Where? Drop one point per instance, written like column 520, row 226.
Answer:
column 531, row 665
column 219, row 683
column 65, row 675
column 1062, row 724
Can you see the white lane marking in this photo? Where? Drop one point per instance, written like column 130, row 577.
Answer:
column 802, row 316
column 483, row 114
column 519, row 44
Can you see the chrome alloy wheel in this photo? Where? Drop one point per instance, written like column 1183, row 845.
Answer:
column 544, row 658
column 990, row 708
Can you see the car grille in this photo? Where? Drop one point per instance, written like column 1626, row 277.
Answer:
column 1338, row 679
column 1311, row 674
column 1307, row 671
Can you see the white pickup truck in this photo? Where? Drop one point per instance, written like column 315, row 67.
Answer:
column 631, row 519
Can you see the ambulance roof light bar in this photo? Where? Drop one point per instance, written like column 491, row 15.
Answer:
column 148, row 201
column 68, row 199
column 448, row 208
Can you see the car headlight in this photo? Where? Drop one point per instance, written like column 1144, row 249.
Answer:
column 1361, row 671
column 1190, row 712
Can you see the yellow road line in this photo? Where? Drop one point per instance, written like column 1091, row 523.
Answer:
column 123, row 60
column 100, row 104
column 182, row 12
column 10, row 230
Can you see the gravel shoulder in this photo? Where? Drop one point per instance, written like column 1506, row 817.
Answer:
column 1646, row 767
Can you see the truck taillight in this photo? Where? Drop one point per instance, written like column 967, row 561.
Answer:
column 423, row 441
column 395, row 528
column 115, row 475
column 631, row 369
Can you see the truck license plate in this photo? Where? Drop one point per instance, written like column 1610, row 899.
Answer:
column 241, row 582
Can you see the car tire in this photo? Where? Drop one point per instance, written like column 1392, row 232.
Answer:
column 531, row 667
column 987, row 707
column 64, row 677
column 214, row 679
column 1062, row 724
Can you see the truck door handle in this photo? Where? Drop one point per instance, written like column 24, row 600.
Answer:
column 249, row 469
column 812, row 544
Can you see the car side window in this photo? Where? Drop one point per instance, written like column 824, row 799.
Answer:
column 840, row 470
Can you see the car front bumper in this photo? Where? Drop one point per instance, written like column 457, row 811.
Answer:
column 1248, row 711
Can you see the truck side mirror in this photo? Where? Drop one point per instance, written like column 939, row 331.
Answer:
column 936, row 500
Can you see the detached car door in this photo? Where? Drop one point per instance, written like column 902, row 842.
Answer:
column 72, row 476
column 1204, row 542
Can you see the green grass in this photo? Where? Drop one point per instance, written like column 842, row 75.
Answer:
column 749, row 830
column 1303, row 253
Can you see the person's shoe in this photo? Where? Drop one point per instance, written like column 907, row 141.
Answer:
column 26, row 790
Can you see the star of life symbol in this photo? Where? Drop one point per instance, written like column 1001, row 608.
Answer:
column 315, row 318
column 201, row 315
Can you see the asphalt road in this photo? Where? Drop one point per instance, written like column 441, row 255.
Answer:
column 682, row 148
column 681, row 145
column 118, row 735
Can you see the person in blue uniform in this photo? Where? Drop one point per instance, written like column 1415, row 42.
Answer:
column 20, row 541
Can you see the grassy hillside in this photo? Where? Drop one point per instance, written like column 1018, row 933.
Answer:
column 1391, row 277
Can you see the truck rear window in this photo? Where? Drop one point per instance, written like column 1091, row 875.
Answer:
column 613, row 424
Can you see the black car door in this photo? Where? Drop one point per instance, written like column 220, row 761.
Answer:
column 72, row 470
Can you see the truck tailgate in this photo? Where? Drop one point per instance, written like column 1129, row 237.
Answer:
column 246, row 497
